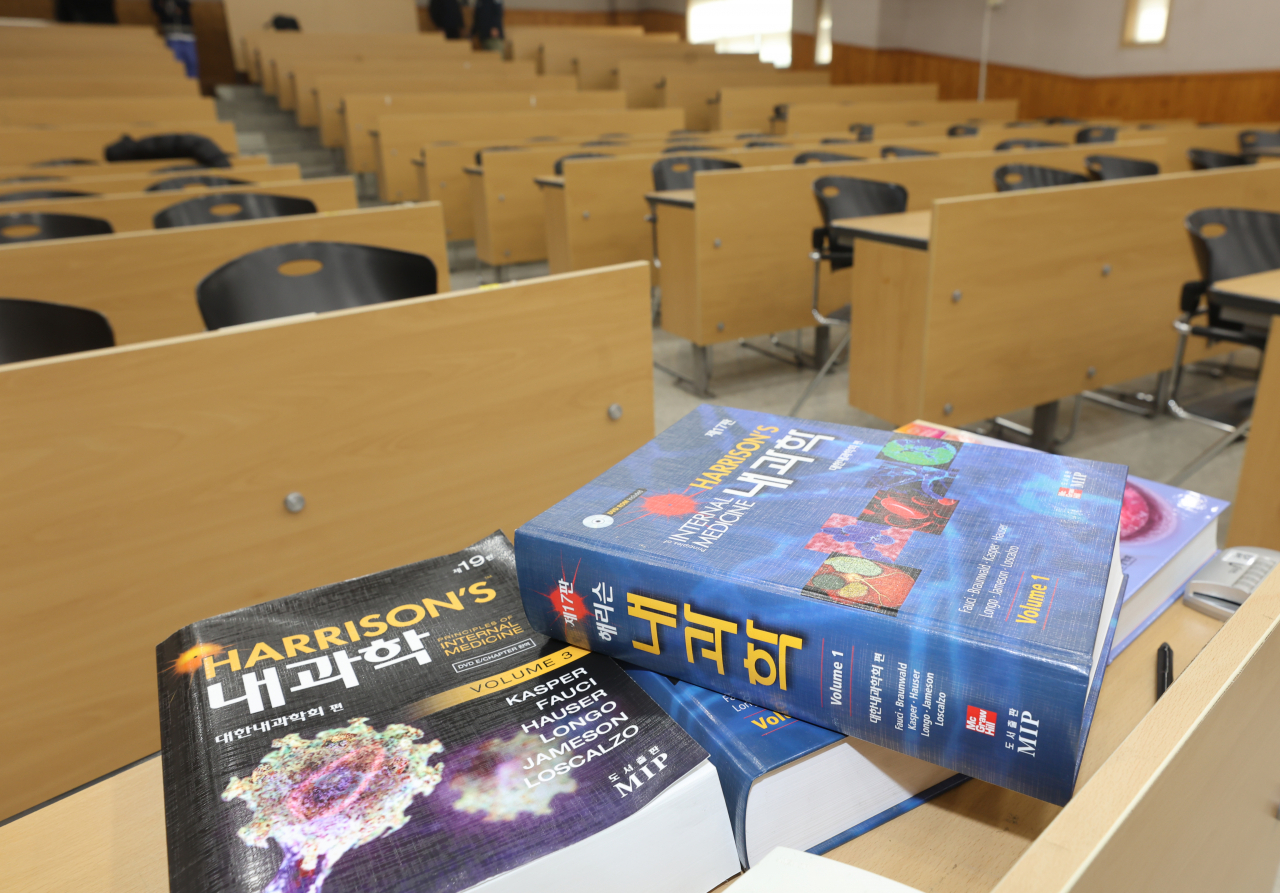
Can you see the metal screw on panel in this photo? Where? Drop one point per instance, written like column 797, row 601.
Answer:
column 657, row 264
column 956, row 296
column 946, row 409
column 719, row 327
column 716, row 243
column 615, row 411
column 506, row 254
column 1106, row 269
column 501, row 197
column 586, row 215
column 1091, row 371
column 295, row 502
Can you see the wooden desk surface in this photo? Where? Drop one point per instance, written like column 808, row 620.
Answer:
column 964, row 841
column 555, row 182
column 1259, row 286
column 473, row 170
column 681, row 198
column 910, row 229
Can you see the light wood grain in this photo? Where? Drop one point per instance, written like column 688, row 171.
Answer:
column 103, row 168
column 401, row 137
column 751, row 108
column 19, row 145
column 383, row 417
column 135, row 211
column 133, row 66
column 912, row 225
column 246, row 19
column 128, row 183
column 294, row 74
column 558, row 53
column 145, row 282
column 693, row 91
column 554, row 210
column 806, row 117
column 119, row 111
column 597, row 67
column 105, row 84
column 641, row 77
column 524, row 40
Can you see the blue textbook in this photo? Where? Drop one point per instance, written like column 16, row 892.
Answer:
column 952, row 602
column 788, row 783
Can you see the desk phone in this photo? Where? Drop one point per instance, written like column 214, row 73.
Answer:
column 1220, row 587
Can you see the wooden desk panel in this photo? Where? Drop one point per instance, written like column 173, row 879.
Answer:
column 145, row 282
column 103, row 168
column 641, row 77
column 910, row 229
column 104, row 85
column 140, row 65
column 751, row 108
column 377, row 22
column 135, row 211
column 19, row 145
column 294, row 75
column 177, row 454
column 123, row 183
column 694, row 91
column 124, row 112
column 807, row 117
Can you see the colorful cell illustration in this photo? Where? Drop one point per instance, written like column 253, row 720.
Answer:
column 860, row 582
column 1144, row 516
column 921, row 451
column 909, row 509
column 492, row 780
column 318, row 798
column 845, row 535
column 933, row 482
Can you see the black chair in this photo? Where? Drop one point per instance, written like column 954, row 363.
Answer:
column 1061, row 120
column 688, row 147
column 1007, row 145
column 175, row 183
column 1227, row 242
column 766, row 144
column 559, row 165
column 64, row 162
column 962, row 130
column 310, row 277
column 865, row 132
column 1254, row 141
column 16, row 228
column 591, row 143
column 1208, row 159
column 677, row 172
column 1113, row 167
column 838, row 198
column 1012, row 177
column 225, row 207
column 824, row 157
column 904, row 152
column 30, row 330
column 33, row 194
column 480, row 152
column 1097, row 134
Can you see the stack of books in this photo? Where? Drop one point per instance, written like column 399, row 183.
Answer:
column 822, row 627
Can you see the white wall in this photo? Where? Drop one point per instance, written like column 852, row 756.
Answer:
column 1076, row 37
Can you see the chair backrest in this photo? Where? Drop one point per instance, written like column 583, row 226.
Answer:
column 1230, row 242
column 1113, row 167
column 766, row 144
column 1097, row 134
column 1258, row 139
column 904, row 152
column 480, row 152
column 35, row 194
column 559, row 165
column 865, row 132
column 1206, row 159
column 16, row 228
column 688, row 147
column 962, row 130
column 31, row 178
column 1006, row 145
column 30, row 330
column 677, row 172
column 310, row 277
column 840, row 197
column 175, row 183
column 1010, row 177
column 806, row 157
column 64, row 162
column 225, row 207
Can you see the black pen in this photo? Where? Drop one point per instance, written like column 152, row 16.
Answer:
column 1164, row 668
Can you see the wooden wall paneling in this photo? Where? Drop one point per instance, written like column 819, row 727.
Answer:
column 802, row 51
column 197, row 440
column 696, row 91
column 990, row 247
column 133, row 211
column 103, row 85
column 361, row 112
column 401, row 137
column 23, row 145
column 810, row 117
column 27, row 9
column 321, row 16
column 661, row 21
column 105, row 110
column 115, row 184
column 144, row 282
column 330, row 93
column 751, row 108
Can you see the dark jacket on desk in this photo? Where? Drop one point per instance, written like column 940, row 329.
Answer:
column 447, row 16
column 488, row 20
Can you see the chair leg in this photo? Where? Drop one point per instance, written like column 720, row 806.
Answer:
column 1226, row 440
column 826, row 367
column 1171, row 403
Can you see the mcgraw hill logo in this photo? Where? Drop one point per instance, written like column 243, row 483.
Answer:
column 982, row 721
column 1072, row 485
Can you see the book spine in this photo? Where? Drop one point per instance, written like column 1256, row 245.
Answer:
column 1009, row 718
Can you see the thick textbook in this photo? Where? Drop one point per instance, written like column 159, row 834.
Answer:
column 949, row 601
column 1166, row 535
column 408, row 731
column 789, row 783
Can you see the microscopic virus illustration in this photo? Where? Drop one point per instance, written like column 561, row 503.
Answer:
column 492, row 780
column 317, row 798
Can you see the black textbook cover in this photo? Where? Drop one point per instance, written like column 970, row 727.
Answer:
column 403, row 731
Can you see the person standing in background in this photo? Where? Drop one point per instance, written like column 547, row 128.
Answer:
column 447, row 16
column 487, row 26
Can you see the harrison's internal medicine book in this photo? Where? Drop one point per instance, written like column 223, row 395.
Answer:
column 407, row 731
column 950, row 601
